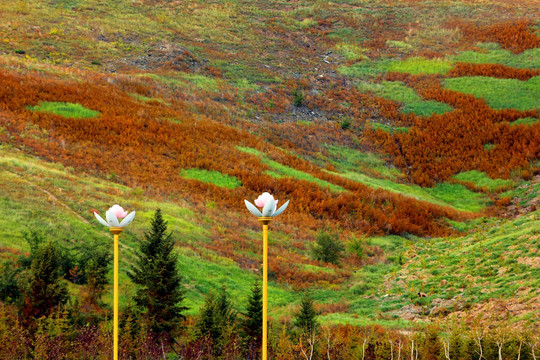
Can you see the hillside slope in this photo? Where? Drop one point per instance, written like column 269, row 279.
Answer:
column 419, row 142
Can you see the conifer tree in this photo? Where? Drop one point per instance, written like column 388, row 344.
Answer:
column 217, row 321
column 207, row 324
column 253, row 322
column 224, row 311
column 217, row 316
column 156, row 272
column 9, row 288
column 96, row 278
column 46, row 289
column 306, row 318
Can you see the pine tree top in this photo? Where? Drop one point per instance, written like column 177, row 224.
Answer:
column 306, row 318
column 160, row 282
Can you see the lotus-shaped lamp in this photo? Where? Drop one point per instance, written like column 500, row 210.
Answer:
column 268, row 205
column 113, row 214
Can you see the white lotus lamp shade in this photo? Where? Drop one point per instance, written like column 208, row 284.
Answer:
column 268, row 204
column 113, row 214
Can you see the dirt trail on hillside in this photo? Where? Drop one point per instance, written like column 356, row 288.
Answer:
column 51, row 196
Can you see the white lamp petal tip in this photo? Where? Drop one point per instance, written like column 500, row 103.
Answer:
column 281, row 209
column 128, row 219
column 252, row 209
column 100, row 219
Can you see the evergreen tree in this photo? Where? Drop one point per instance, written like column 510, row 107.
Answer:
column 224, row 311
column 46, row 290
column 217, row 315
column 9, row 288
column 328, row 248
column 96, row 278
column 207, row 325
column 217, row 321
column 253, row 322
column 306, row 318
column 34, row 238
column 156, row 272
column 94, row 260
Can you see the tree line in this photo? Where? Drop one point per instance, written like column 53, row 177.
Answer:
column 38, row 314
column 39, row 320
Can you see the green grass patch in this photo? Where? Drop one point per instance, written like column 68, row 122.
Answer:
column 185, row 80
column 346, row 34
column 426, row 108
column 445, row 194
column 211, row 177
column 244, row 85
column 459, row 196
column 412, row 102
column 279, row 170
column 165, row 80
column 464, row 226
column 413, row 65
column 525, row 194
column 202, row 82
column 316, row 269
column 145, row 98
column 388, row 128
column 398, row 44
column 481, row 179
column 69, row 110
column 525, row 121
column 203, row 275
column 393, row 90
column 304, row 122
column 347, row 159
column 351, row 52
column 528, row 59
column 389, row 243
column 419, row 65
column 243, row 73
column 500, row 93
column 306, row 23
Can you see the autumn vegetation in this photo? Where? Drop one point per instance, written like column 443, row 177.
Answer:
column 409, row 172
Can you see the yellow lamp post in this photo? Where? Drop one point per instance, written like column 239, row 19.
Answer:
column 269, row 205
column 112, row 215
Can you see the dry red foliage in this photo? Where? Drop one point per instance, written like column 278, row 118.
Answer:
column 275, row 100
column 136, row 142
column 492, row 70
column 438, row 147
column 516, row 36
column 359, row 106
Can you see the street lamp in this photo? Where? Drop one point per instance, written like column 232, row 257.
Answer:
column 269, row 206
column 112, row 215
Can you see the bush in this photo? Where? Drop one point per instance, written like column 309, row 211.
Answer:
column 345, row 123
column 357, row 247
column 298, row 95
column 328, row 248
